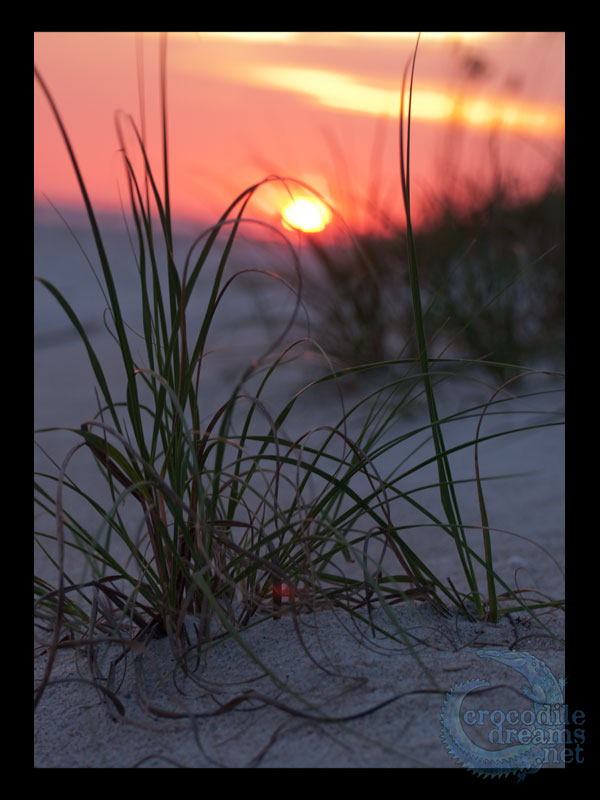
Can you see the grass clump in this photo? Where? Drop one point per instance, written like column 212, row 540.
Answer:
column 239, row 518
column 491, row 277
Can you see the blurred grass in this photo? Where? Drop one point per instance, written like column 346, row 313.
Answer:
column 492, row 280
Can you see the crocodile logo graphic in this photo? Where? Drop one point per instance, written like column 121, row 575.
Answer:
column 526, row 756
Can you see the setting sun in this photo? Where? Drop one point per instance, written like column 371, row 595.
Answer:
column 306, row 214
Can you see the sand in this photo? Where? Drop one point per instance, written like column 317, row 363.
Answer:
column 338, row 669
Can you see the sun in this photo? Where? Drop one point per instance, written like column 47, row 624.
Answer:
column 305, row 214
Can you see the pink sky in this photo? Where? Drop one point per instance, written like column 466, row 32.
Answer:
column 320, row 107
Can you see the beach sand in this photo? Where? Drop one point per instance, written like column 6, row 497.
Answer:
column 355, row 700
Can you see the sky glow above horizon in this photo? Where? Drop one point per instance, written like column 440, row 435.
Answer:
column 321, row 108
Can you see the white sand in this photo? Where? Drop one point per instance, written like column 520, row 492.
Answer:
column 336, row 668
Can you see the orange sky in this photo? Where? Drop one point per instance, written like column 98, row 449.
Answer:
column 319, row 107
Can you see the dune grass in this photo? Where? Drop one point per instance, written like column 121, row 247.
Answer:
column 492, row 279
column 238, row 521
